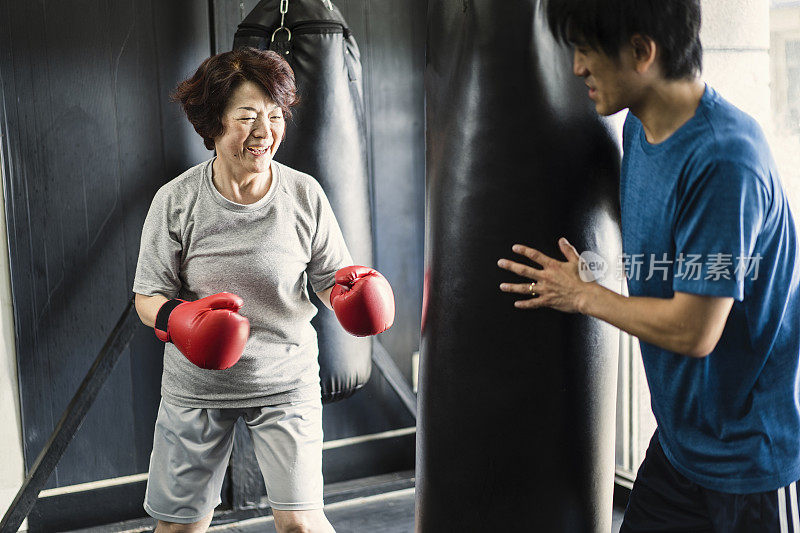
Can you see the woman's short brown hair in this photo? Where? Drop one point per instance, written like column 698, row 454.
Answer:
column 205, row 95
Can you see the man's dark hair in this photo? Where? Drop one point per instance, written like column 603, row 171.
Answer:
column 607, row 25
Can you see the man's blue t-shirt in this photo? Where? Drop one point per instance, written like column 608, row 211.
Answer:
column 704, row 212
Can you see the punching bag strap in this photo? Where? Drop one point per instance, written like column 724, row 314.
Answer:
column 282, row 47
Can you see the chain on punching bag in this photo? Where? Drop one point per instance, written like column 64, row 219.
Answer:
column 327, row 140
column 516, row 408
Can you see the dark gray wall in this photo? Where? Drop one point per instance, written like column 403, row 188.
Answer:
column 394, row 44
column 88, row 137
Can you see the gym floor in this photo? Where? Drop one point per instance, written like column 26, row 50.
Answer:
column 381, row 504
column 392, row 512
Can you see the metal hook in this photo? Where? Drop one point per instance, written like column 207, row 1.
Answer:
column 284, row 8
column 288, row 31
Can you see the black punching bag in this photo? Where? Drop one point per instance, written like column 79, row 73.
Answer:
column 516, row 408
column 326, row 139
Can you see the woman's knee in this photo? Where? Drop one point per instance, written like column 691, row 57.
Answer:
column 172, row 527
column 195, row 527
column 313, row 521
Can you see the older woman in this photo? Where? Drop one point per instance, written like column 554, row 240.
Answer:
column 227, row 250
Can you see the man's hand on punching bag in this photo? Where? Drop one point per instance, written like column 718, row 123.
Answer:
column 363, row 301
column 557, row 284
column 209, row 332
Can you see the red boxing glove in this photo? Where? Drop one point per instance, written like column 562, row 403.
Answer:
column 209, row 332
column 363, row 301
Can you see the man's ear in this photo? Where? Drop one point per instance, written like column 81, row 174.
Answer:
column 644, row 51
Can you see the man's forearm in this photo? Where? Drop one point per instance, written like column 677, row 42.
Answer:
column 688, row 324
column 653, row 320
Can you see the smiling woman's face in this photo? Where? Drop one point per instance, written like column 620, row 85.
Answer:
column 253, row 127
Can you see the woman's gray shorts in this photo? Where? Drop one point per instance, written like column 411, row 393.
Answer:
column 192, row 447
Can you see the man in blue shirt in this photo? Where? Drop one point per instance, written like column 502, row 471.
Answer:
column 713, row 265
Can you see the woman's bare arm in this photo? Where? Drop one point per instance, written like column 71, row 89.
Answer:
column 147, row 307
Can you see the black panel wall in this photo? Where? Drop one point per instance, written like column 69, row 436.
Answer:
column 88, row 135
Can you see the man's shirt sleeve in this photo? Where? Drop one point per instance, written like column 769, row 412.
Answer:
column 720, row 216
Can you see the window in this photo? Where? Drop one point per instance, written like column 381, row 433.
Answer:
column 784, row 58
column 792, row 116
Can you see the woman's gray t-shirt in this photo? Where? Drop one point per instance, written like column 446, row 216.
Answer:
column 196, row 242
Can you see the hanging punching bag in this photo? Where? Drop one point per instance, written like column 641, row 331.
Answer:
column 325, row 139
column 516, row 408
